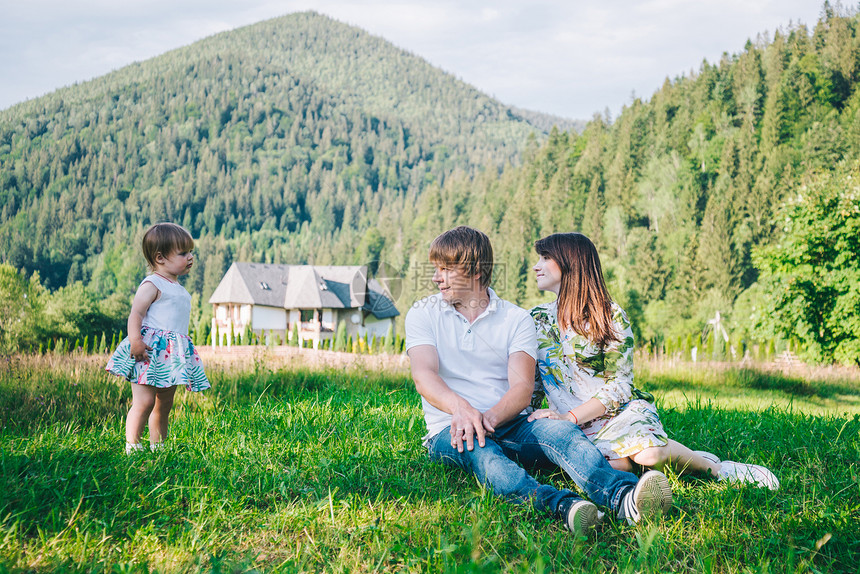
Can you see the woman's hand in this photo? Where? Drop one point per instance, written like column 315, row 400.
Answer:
column 546, row 414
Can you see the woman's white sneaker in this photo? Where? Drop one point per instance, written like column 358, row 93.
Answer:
column 731, row 471
column 709, row 456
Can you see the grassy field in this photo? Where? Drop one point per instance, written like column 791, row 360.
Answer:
column 291, row 468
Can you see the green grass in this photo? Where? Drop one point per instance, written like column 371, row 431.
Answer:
column 295, row 470
column 807, row 390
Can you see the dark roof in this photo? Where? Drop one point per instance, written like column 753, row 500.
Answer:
column 379, row 301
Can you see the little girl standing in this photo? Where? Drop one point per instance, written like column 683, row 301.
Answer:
column 158, row 322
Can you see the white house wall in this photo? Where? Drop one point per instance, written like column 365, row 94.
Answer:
column 376, row 327
column 349, row 316
column 265, row 318
column 372, row 326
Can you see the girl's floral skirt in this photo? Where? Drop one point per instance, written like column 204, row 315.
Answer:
column 633, row 429
column 173, row 361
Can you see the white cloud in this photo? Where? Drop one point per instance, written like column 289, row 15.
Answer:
column 489, row 14
column 568, row 57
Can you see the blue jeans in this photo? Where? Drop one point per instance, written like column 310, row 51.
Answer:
column 540, row 443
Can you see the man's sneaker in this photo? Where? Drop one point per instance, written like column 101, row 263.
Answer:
column 651, row 497
column 581, row 517
column 747, row 473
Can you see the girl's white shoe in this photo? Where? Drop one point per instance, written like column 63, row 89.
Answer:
column 133, row 448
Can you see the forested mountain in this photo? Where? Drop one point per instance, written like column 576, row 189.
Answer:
column 304, row 140
column 682, row 191
column 284, row 141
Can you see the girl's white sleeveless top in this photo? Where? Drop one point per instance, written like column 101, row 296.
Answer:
column 172, row 310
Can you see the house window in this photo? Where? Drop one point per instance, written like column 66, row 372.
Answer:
column 265, row 286
column 306, row 315
column 327, row 320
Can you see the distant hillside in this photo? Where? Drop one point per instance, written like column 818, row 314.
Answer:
column 681, row 190
column 291, row 140
column 546, row 122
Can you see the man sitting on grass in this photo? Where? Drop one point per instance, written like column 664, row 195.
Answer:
column 473, row 362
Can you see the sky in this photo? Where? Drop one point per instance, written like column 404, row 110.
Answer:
column 571, row 58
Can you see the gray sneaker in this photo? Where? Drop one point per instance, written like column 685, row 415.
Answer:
column 581, row 517
column 651, row 497
column 731, row 471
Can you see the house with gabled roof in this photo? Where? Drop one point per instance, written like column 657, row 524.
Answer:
column 273, row 299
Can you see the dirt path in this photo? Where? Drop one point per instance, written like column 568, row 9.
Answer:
column 293, row 356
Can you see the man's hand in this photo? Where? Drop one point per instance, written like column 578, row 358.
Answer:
column 521, row 368
column 492, row 419
column 466, row 420
column 466, row 423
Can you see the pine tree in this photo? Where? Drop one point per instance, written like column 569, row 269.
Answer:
column 389, row 340
column 592, row 219
column 341, row 340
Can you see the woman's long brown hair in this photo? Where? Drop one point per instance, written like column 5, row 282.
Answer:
column 584, row 304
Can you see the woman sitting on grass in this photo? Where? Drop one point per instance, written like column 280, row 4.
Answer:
column 585, row 364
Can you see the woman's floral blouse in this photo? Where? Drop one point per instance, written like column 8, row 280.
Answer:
column 572, row 369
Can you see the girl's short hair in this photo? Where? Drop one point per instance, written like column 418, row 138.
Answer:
column 468, row 248
column 167, row 239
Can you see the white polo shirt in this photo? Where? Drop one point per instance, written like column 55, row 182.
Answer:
column 473, row 358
